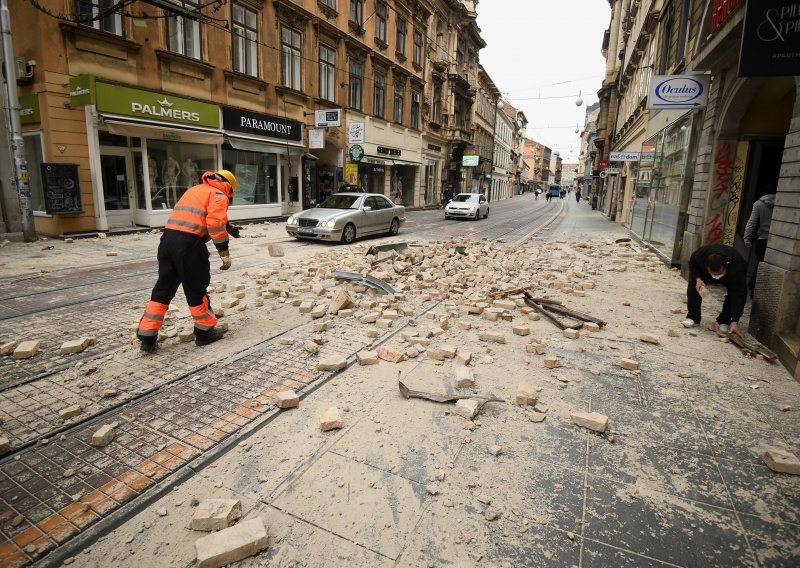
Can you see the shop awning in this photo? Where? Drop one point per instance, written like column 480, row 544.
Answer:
column 309, row 156
column 404, row 163
column 125, row 126
column 375, row 160
column 257, row 145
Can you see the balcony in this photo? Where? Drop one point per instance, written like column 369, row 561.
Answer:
column 460, row 76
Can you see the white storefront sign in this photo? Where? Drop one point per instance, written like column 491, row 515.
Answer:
column 355, row 133
column 678, row 91
column 329, row 117
column 316, row 139
column 623, row 157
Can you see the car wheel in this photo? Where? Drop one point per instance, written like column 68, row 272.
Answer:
column 394, row 228
column 487, row 214
column 349, row 233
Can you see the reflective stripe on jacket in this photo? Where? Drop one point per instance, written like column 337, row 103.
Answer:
column 203, row 211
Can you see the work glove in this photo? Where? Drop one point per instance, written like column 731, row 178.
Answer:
column 233, row 230
column 225, row 257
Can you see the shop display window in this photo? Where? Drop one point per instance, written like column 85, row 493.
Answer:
column 173, row 167
column 33, row 154
column 256, row 175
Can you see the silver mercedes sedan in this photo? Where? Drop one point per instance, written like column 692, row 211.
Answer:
column 345, row 216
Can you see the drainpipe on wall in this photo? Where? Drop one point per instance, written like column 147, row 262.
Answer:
column 20, row 177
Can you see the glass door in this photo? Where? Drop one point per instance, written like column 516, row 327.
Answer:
column 119, row 192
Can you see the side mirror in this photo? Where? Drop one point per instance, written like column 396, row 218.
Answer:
column 367, row 208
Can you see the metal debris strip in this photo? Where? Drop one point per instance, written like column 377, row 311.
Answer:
column 751, row 346
column 375, row 249
column 545, row 306
column 444, row 397
column 371, row 281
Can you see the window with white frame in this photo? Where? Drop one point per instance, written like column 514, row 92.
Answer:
column 329, row 3
column 416, row 56
column 356, row 79
column 399, row 101
column 402, row 30
column 381, row 16
column 100, row 14
column 379, row 102
column 244, row 26
column 327, row 73
column 416, row 97
column 183, row 32
column 291, row 58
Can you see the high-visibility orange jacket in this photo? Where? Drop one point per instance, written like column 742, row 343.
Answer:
column 203, row 211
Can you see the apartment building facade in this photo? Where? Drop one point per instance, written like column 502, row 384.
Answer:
column 132, row 105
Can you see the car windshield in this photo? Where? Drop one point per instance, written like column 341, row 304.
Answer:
column 465, row 197
column 340, row 202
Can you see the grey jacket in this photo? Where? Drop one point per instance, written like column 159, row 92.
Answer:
column 760, row 218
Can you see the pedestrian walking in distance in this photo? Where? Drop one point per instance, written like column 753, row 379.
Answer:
column 199, row 215
column 717, row 264
column 578, row 196
column 757, row 229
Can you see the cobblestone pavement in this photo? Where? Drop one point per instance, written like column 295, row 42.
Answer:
column 50, row 492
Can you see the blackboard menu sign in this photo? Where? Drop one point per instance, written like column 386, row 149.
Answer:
column 62, row 192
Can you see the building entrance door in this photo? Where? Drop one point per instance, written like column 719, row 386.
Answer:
column 119, row 186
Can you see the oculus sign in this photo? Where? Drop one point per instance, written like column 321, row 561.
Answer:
column 770, row 39
column 678, row 91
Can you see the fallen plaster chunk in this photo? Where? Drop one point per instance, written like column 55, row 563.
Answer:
column 781, row 461
column 591, row 420
column 231, row 544
column 216, row 514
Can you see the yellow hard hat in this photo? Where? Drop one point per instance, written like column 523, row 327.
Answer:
column 229, row 177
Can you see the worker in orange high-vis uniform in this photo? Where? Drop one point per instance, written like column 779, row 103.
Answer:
column 199, row 215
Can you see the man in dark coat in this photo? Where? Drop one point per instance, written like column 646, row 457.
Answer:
column 712, row 265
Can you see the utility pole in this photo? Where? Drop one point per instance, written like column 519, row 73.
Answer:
column 20, row 177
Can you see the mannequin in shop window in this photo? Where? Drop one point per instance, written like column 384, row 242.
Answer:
column 190, row 171
column 169, row 174
column 152, row 170
column 397, row 189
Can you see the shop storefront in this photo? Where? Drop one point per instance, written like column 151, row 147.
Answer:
column 662, row 188
column 265, row 154
column 145, row 149
column 433, row 157
column 372, row 174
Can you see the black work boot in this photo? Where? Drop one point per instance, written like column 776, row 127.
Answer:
column 147, row 344
column 204, row 337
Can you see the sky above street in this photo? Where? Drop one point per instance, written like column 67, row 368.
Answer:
column 540, row 48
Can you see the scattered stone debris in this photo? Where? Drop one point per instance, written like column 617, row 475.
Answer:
column 465, row 379
column 527, row 394
column 591, row 420
column 287, row 399
column 216, row 514
column 649, row 338
column 333, row 363
column 77, row 345
column 70, row 412
column 781, row 461
column 467, row 407
column 275, row 250
column 495, row 450
column 331, row 419
column 629, row 365
column 231, row 544
column 27, row 349
column 104, row 435
column 552, row 362
column 367, row 357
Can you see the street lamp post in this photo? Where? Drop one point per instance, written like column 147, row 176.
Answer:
column 498, row 106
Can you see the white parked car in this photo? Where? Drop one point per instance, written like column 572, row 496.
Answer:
column 345, row 216
column 467, row 205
